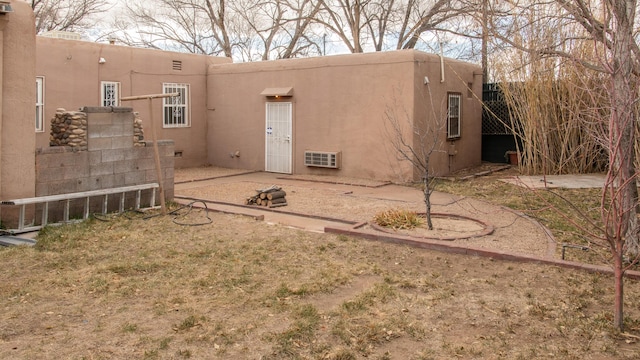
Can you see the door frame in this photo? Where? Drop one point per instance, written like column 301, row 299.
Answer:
column 270, row 141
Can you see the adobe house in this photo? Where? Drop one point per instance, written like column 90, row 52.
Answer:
column 279, row 115
column 333, row 107
column 72, row 74
column 110, row 156
column 321, row 115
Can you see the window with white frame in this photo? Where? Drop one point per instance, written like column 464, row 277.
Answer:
column 109, row 93
column 39, row 104
column 453, row 116
column 176, row 108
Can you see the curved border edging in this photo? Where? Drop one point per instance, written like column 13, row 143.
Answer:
column 486, row 228
column 449, row 247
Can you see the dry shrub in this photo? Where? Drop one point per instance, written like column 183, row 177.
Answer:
column 399, row 219
column 559, row 133
column 558, row 111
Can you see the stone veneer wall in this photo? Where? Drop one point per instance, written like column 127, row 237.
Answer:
column 69, row 128
column 110, row 159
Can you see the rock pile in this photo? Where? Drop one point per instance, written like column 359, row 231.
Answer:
column 138, row 132
column 69, row 128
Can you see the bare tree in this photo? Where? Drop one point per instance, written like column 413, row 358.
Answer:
column 415, row 139
column 270, row 29
column 420, row 17
column 392, row 24
column 298, row 29
column 282, row 26
column 382, row 15
column 248, row 30
column 196, row 26
column 65, row 15
column 608, row 29
column 346, row 19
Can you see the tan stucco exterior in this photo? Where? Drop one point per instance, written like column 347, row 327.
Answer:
column 73, row 72
column 17, row 76
column 339, row 103
column 430, row 102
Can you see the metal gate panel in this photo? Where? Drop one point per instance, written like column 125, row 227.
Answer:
column 278, row 137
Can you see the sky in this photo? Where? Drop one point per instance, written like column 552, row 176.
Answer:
column 334, row 44
column 118, row 5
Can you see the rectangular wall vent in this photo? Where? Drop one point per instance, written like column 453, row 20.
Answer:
column 322, row 159
column 177, row 65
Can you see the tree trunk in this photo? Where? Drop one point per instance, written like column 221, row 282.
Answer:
column 618, row 313
column 427, row 201
column 623, row 94
column 621, row 219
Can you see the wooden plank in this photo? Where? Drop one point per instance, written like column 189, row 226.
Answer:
column 152, row 96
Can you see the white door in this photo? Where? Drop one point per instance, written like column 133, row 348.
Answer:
column 278, row 137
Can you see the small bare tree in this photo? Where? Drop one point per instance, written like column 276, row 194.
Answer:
column 609, row 30
column 416, row 139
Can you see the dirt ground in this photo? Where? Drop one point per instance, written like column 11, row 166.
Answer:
column 359, row 200
column 131, row 287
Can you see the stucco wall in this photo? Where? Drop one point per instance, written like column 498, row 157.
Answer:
column 73, row 73
column 339, row 104
column 17, row 75
column 450, row 77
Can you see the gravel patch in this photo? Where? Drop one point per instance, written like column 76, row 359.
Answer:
column 513, row 232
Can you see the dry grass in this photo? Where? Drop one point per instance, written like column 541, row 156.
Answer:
column 398, row 219
column 238, row 289
column 568, row 213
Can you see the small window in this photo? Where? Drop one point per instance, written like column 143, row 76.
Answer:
column 109, row 93
column 176, row 108
column 453, row 116
column 39, row 104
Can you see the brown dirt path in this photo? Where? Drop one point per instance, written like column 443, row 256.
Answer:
column 358, row 200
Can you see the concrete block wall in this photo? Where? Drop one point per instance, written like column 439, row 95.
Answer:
column 112, row 159
column 60, row 170
column 109, row 128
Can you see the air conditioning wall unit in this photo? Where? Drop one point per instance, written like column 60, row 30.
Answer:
column 326, row 159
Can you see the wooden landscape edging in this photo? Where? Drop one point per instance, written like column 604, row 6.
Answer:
column 355, row 229
column 449, row 247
